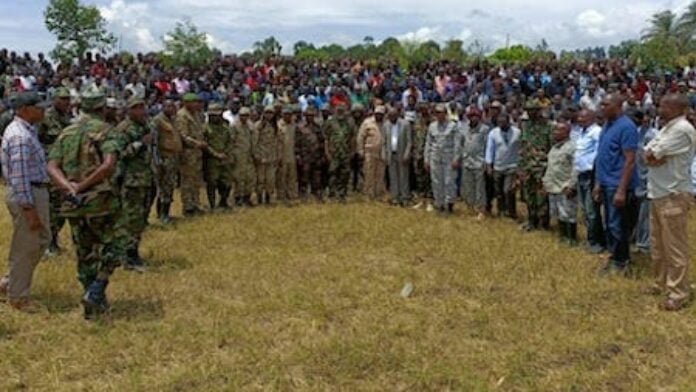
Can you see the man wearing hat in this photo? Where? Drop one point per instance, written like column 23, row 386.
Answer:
column 266, row 155
column 57, row 118
column 134, row 178
column 188, row 123
column 244, row 170
column 113, row 111
column 535, row 144
column 24, row 169
column 93, row 204
column 310, row 155
column 286, row 179
column 169, row 148
column 442, row 153
column 475, row 135
column 218, row 157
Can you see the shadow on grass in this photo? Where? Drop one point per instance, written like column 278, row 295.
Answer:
column 137, row 309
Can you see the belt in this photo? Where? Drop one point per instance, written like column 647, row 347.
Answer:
column 40, row 184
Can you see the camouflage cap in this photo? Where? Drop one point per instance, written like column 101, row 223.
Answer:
column 269, row 109
column 440, row 108
column 245, row 111
column 357, row 107
column 92, row 100
column 532, row 104
column 135, row 101
column 216, row 109
column 190, row 97
column 61, row 92
column 380, row 110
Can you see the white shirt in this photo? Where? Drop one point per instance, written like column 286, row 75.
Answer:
column 395, row 137
column 676, row 143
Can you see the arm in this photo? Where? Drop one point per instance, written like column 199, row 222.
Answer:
column 409, row 141
column 58, row 177
column 103, row 171
column 657, row 151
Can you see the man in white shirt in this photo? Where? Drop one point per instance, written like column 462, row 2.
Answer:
column 669, row 156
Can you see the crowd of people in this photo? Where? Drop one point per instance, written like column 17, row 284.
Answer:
column 120, row 134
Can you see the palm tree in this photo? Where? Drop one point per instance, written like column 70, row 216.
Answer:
column 687, row 22
column 663, row 26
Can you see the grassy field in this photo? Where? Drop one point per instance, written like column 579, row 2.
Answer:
column 308, row 298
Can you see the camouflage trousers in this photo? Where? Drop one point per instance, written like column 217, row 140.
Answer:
column 537, row 203
column 244, row 177
column 132, row 217
column 191, row 179
column 265, row 178
column 473, row 188
column 339, row 171
column 311, row 176
column 100, row 249
column 442, row 178
column 374, row 171
column 286, row 180
column 57, row 221
column 421, row 179
column 167, row 177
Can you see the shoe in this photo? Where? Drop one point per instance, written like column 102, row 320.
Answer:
column 135, row 265
column 418, row 206
column 611, row 269
column 671, row 305
column 481, row 217
column 430, row 208
column 94, row 300
column 595, row 249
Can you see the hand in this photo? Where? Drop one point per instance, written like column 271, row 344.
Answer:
column 651, row 160
column 74, row 188
column 619, row 198
column 33, row 219
column 597, row 194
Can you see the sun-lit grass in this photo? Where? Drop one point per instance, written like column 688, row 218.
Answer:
column 307, row 298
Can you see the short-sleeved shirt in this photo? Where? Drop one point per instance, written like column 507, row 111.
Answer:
column 617, row 136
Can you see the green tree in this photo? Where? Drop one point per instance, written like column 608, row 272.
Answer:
column 454, row 51
column 78, row 29
column 513, row 54
column 186, row 46
column 268, row 47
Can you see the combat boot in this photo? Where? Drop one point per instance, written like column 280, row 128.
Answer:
column 572, row 234
column 94, row 300
column 563, row 232
column 164, row 214
column 210, row 191
column 53, row 248
column 224, row 196
column 133, row 261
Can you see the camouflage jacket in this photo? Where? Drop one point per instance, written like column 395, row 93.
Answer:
column 266, row 143
column 242, row 142
column 53, row 124
column 219, row 139
column 535, row 144
column 190, row 128
column 134, row 168
column 340, row 138
column 310, row 144
column 287, row 137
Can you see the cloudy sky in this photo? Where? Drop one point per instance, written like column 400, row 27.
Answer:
column 234, row 25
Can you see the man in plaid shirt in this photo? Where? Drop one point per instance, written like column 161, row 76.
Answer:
column 24, row 170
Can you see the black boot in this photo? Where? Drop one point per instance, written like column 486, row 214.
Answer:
column 563, row 232
column 210, row 190
column 238, row 201
column 450, row 208
column 164, row 213
column 133, row 261
column 94, row 300
column 246, row 200
column 224, row 196
column 572, row 234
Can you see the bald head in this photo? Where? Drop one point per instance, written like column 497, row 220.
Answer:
column 612, row 106
column 586, row 117
column 673, row 106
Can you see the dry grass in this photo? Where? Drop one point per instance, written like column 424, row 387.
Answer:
column 307, row 298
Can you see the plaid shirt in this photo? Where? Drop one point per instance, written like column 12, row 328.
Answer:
column 23, row 161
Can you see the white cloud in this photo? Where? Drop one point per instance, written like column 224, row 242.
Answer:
column 422, row 34
column 130, row 23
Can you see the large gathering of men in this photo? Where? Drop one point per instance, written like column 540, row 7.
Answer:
column 100, row 142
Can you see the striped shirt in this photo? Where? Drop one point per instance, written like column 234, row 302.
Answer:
column 23, row 161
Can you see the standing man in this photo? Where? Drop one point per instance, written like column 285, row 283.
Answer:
column 474, row 140
column 95, row 205
column 134, row 177
column 188, row 123
column 170, row 147
column 339, row 147
column 369, row 147
column 244, row 171
column 286, row 184
column 669, row 156
column 559, row 183
column 586, row 137
column 310, row 155
column 218, row 157
column 502, row 157
column 535, row 144
column 57, row 118
column 357, row 110
column 24, row 170
column 266, row 155
column 441, row 156
column 421, row 176
column 615, row 181
column 645, row 134
column 396, row 151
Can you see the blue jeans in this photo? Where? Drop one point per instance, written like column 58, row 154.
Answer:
column 591, row 210
column 619, row 223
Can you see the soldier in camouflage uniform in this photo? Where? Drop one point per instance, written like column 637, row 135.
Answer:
column 310, row 156
column 56, row 119
column 266, row 155
column 339, row 147
column 82, row 162
column 441, row 156
column 422, row 177
column 535, row 144
column 169, row 146
column 286, row 178
column 244, row 171
column 134, row 179
column 219, row 157
column 188, row 123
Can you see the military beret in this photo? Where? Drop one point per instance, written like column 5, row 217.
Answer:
column 190, row 97
column 92, row 99
column 61, row 92
column 216, row 109
column 245, row 111
column 440, row 108
column 380, row 110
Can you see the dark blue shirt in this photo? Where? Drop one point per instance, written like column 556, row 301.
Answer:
column 617, row 136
